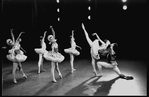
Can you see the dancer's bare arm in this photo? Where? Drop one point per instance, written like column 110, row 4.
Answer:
column 98, row 38
column 13, row 39
column 78, row 46
column 53, row 31
column 19, row 36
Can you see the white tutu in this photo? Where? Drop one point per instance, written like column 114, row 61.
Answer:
column 21, row 58
column 54, row 57
column 17, row 58
column 11, row 58
column 40, row 50
column 72, row 51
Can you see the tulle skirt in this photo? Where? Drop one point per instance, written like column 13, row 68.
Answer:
column 11, row 58
column 72, row 51
column 54, row 57
column 40, row 50
column 17, row 58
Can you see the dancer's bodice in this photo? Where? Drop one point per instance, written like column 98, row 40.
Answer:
column 73, row 45
column 54, row 47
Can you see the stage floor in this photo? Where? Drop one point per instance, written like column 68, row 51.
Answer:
column 81, row 83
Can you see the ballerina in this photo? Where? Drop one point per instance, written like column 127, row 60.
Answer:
column 94, row 48
column 41, row 52
column 72, row 51
column 54, row 56
column 16, row 55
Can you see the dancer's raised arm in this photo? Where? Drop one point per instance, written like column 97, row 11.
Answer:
column 44, row 35
column 53, row 31
column 19, row 36
column 13, row 39
column 87, row 36
column 72, row 33
column 78, row 46
column 98, row 38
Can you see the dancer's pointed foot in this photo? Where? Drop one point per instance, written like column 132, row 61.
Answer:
column 73, row 70
column 60, row 75
column 95, row 73
column 125, row 77
column 38, row 71
column 15, row 81
column 99, row 75
column 24, row 76
column 54, row 81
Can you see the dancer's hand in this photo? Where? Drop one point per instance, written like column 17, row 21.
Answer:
column 79, row 47
column 94, row 34
column 50, row 26
column 22, row 32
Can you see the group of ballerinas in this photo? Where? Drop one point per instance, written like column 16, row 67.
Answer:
column 17, row 56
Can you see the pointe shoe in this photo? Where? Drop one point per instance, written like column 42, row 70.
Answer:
column 38, row 71
column 129, row 78
column 24, row 76
column 54, row 81
column 60, row 75
column 95, row 73
column 125, row 77
column 15, row 81
column 73, row 70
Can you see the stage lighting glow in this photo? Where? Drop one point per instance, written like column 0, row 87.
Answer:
column 57, row 9
column 89, row 17
column 124, row 0
column 124, row 7
column 89, row 7
column 58, row 19
column 57, row 1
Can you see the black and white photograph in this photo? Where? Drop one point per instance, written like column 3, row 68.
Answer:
column 74, row 47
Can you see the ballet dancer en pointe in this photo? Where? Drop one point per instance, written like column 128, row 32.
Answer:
column 108, row 48
column 16, row 55
column 94, row 48
column 54, row 56
column 41, row 52
column 72, row 51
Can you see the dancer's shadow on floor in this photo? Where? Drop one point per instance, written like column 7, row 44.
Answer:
column 9, row 82
column 34, row 71
column 93, row 88
column 51, row 86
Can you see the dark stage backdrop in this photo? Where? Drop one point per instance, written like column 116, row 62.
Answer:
column 128, row 27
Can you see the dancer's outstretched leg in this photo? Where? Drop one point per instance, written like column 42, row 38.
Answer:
column 14, row 71
column 71, row 63
column 57, row 68
column 116, row 69
column 52, row 71
column 87, row 36
column 113, row 65
column 24, row 75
